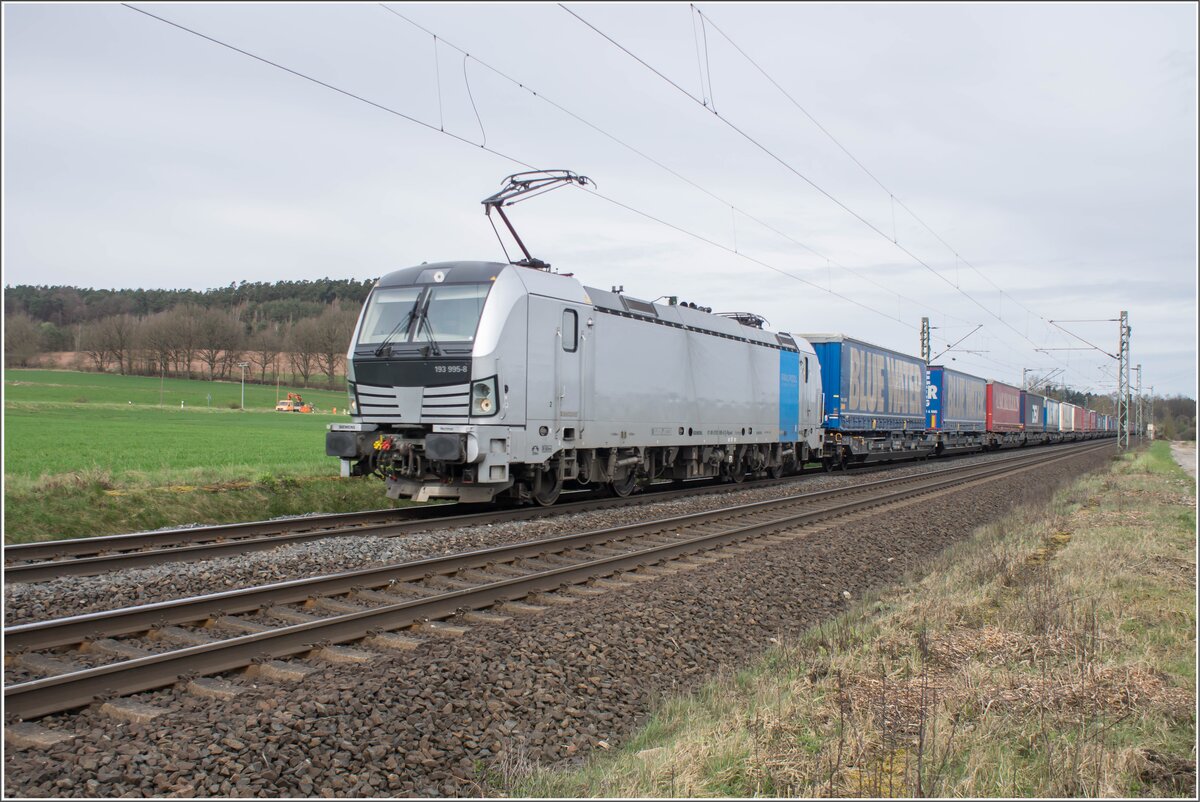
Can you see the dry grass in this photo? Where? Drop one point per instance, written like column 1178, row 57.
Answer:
column 1052, row 654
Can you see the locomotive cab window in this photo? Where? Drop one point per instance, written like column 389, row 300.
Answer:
column 453, row 311
column 389, row 315
column 446, row 313
column 570, row 330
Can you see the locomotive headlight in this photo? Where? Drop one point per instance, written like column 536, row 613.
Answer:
column 483, row 401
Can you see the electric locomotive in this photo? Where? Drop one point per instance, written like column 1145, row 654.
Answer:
column 481, row 380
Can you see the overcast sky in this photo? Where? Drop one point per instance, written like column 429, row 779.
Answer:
column 1050, row 148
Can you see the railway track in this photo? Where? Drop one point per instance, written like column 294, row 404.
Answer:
column 152, row 646
column 37, row 562
column 90, row 556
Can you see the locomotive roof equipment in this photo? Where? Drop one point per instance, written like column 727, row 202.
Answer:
column 746, row 319
column 525, row 186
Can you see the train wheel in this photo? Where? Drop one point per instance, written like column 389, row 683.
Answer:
column 624, row 484
column 546, row 487
column 775, row 472
column 733, row 473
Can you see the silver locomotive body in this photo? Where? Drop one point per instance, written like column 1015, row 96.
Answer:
column 474, row 380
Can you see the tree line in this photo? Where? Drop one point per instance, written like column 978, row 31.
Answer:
column 275, row 302
column 1174, row 416
column 293, row 326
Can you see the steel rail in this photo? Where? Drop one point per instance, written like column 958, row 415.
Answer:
column 86, row 556
column 76, row 629
column 214, row 544
column 67, row 691
column 86, row 546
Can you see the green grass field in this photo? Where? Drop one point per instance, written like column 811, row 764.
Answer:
column 75, row 440
column 58, row 422
column 70, row 387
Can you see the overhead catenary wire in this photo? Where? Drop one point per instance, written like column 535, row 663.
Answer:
column 661, row 165
column 707, row 19
column 756, row 261
column 467, row 81
column 493, row 151
column 696, row 42
column 498, row 153
column 329, row 86
column 1086, row 342
column 958, row 258
column 895, row 200
column 788, row 166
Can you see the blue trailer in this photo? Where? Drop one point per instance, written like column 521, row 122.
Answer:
column 1033, row 416
column 874, row 400
column 956, row 409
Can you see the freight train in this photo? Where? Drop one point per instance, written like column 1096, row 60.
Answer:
column 486, row 381
column 482, row 380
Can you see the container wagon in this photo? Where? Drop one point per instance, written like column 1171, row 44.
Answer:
column 1067, row 421
column 1033, row 417
column 956, row 410
column 1053, row 427
column 1003, row 415
column 874, row 401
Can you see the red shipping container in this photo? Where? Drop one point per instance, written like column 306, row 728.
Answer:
column 1093, row 423
column 1003, row 408
column 1080, row 417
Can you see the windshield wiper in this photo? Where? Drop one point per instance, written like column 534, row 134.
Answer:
column 424, row 323
column 403, row 324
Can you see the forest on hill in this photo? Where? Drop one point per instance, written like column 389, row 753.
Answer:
column 299, row 327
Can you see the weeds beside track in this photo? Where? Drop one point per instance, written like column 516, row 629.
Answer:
column 1052, row 654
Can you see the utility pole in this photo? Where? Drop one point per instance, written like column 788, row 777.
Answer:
column 926, row 345
column 1140, row 430
column 1123, row 383
column 243, row 366
column 1151, row 415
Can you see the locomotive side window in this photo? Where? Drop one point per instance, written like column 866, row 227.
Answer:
column 570, row 330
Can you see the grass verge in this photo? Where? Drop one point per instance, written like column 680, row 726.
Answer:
column 1051, row 654
column 90, row 503
column 92, row 454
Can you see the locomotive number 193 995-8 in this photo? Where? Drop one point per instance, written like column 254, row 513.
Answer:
column 450, row 368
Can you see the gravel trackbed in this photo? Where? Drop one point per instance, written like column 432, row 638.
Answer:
column 432, row 720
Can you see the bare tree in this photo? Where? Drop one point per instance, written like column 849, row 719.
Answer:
column 304, row 343
column 219, row 334
column 160, row 340
column 186, row 320
column 94, row 346
column 118, row 336
column 21, row 339
column 263, row 351
column 333, row 330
